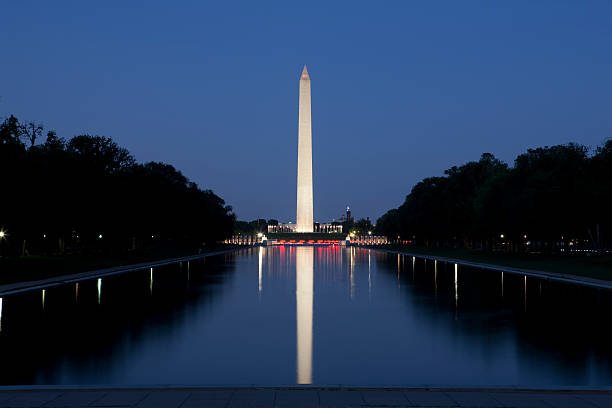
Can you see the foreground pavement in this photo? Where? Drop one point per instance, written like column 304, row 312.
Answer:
column 301, row 397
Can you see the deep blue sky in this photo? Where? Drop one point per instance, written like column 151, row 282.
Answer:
column 400, row 90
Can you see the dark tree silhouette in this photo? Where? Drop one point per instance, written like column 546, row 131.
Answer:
column 31, row 132
column 88, row 194
column 552, row 198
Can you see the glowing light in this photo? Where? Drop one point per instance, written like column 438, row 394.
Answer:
column 304, row 293
column 351, row 276
column 2, row 234
column 456, row 286
column 99, row 290
column 259, row 235
column 260, row 268
column 501, row 235
column 44, row 235
column 369, row 232
column 151, row 282
column 100, row 236
column 369, row 274
column 525, row 292
column 43, row 299
column 76, row 292
column 435, row 276
column 0, row 314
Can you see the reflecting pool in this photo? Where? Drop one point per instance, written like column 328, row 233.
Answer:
column 309, row 315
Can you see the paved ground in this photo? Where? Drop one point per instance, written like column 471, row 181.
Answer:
column 301, row 397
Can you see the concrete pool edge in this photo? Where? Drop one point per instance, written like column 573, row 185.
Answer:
column 555, row 276
column 19, row 287
column 304, row 396
column 319, row 387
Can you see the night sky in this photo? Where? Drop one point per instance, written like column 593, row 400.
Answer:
column 400, row 90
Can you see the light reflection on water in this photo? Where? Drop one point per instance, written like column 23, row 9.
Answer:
column 304, row 301
column 327, row 316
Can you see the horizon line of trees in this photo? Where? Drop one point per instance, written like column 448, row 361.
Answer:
column 553, row 198
column 89, row 195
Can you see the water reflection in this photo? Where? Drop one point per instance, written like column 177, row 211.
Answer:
column 218, row 330
column 456, row 286
column 525, row 292
column 0, row 314
column 369, row 274
column 304, row 291
column 260, row 267
column 99, row 290
column 43, row 298
column 436, row 277
column 351, row 272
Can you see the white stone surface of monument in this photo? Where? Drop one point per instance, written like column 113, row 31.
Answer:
column 304, row 219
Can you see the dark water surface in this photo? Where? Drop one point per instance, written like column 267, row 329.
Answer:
column 278, row 316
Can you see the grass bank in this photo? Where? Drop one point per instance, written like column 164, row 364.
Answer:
column 598, row 267
column 31, row 268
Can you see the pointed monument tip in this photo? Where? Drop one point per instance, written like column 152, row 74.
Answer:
column 305, row 73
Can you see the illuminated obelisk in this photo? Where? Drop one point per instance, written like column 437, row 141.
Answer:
column 304, row 219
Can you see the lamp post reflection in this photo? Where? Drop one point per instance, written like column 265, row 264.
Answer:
column 0, row 314
column 304, row 304
column 99, row 290
column 369, row 274
column 436, row 277
column 260, row 268
column 351, row 276
column 525, row 291
column 456, row 286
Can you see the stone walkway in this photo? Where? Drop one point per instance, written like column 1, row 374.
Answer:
column 301, row 397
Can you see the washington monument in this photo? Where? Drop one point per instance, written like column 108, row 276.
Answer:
column 304, row 219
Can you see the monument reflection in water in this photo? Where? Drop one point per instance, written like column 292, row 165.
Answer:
column 304, row 303
column 249, row 318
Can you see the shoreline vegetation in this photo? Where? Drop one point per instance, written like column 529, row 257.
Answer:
column 34, row 268
column 553, row 199
column 595, row 266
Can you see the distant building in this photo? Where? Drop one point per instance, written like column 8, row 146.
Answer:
column 348, row 213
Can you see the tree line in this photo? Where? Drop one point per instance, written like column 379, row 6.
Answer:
column 87, row 194
column 553, row 198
